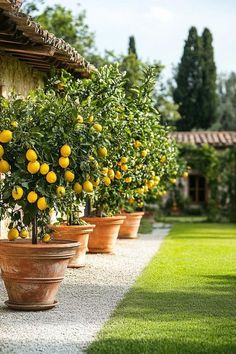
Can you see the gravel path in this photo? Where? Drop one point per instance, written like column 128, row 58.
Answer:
column 87, row 297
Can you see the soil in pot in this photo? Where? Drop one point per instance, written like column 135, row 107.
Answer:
column 32, row 274
column 129, row 229
column 78, row 233
column 104, row 236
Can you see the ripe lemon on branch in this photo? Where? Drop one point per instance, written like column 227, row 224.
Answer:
column 65, row 150
column 32, row 197
column 88, row 186
column 17, row 193
column 77, row 188
column 61, row 191
column 1, row 151
column 102, row 152
column 13, row 234
column 44, row 169
column 51, row 177
column 5, row 136
column 4, row 166
column 42, row 203
column 69, row 176
column 31, row 155
column 33, row 167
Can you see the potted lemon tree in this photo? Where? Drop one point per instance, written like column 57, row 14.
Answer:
column 34, row 133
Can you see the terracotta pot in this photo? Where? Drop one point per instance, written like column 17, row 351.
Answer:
column 104, row 236
column 130, row 227
column 78, row 233
column 32, row 273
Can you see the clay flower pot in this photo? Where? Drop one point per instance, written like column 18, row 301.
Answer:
column 129, row 229
column 79, row 233
column 32, row 274
column 104, row 236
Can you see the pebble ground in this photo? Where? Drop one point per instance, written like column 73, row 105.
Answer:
column 87, row 298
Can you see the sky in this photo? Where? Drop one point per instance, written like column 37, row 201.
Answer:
column 160, row 27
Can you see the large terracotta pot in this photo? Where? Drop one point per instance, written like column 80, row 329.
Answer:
column 129, row 229
column 104, row 236
column 32, row 273
column 78, row 233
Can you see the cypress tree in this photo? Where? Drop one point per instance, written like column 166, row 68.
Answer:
column 132, row 47
column 189, row 82
column 208, row 96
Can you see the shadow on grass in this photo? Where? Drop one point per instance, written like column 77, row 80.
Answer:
column 158, row 346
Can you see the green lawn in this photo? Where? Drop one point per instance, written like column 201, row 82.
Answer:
column 185, row 300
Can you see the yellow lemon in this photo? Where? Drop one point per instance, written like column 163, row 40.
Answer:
column 42, row 203
column 106, row 181
column 33, row 167
column 61, row 191
column 140, row 190
column 185, row 174
column 65, row 150
column 51, row 177
column 131, row 200
column 5, row 136
column 124, row 167
column 31, row 155
column 102, row 152
column 32, row 197
column 13, row 234
column 157, row 179
column 64, row 162
column 118, row 175
column 90, row 119
column 24, row 233
column 80, row 119
column 104, row 171
column 44, row 169
column 46, row 238
column 17, row 193
column 77, row 188
column 128, row 179
column 97, row 127
column 124, row 159
column 96, row 183
column 1, row 151
column 163, row 159
column 4, row 166
column 69, row 176
column 111, row 173
column 173, row 180
column 144, row 153
column 137, row 144
column 88, row 186
column 14, row 124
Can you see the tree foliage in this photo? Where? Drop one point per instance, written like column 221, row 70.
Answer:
column 195, row 91
column 226, row 114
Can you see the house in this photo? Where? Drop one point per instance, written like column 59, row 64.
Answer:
column 28, row 53
column 196, row 187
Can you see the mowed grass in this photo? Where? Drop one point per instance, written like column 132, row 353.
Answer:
column 184, row 301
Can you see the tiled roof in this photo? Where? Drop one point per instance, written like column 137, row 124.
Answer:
column 29, row 42
column 217, row 139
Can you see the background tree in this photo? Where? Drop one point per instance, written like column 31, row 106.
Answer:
column 132, row 46
column 189, row 82
column 226, row 113
column 208, row 96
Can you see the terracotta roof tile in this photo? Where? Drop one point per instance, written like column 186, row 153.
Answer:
column 25, row 36
column 217, row 139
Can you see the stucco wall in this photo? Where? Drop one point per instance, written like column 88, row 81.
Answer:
column 22, row 78
column 18, row 76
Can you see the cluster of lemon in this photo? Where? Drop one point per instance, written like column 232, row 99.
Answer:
column 5, row 137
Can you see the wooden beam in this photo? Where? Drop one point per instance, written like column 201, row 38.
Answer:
column 39, row 50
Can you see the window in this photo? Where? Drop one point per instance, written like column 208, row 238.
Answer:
column 197, row 188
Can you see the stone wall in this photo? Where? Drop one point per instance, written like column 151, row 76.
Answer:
column 18, row 76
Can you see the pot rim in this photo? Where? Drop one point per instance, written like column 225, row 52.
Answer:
column 104, row 219
column 81, row 227
column 41, row 245
column 135, row 213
